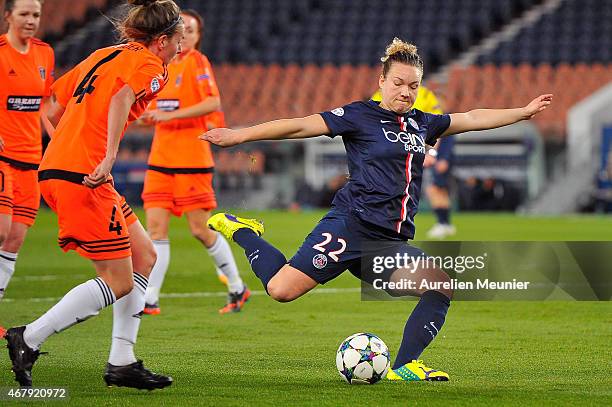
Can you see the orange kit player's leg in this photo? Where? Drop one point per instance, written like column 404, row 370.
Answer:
column 19, row 202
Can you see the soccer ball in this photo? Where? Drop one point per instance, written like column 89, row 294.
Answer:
column 363, row 358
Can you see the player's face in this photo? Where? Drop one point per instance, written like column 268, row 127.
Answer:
column 24, row 19
column 192, row 32
column 399, row 89
column 169, row 47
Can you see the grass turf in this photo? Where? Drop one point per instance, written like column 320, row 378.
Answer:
column 508, row 353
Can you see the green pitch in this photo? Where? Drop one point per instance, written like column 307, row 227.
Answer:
column 536, row 353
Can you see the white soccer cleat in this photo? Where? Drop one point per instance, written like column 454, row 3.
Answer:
column 440, row 231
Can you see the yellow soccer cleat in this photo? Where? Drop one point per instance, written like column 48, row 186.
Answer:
column 228, row 224
column 417, row 371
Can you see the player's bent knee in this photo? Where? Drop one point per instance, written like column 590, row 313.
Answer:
column 280, row 293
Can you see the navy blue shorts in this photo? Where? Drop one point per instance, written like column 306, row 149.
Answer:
column 341, row 242
column 440, row 179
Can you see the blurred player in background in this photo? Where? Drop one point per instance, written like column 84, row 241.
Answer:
column 180, row 175
column 96, row 100
column 440, row 165
column 26, row 76
column 386, row 146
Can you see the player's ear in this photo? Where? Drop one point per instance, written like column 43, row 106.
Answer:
column 163, row 41
column 381, row 80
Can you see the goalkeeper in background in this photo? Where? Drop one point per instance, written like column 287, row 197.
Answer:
column 437, row 192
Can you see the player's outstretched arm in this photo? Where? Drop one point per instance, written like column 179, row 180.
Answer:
column 482, row 119
column 303, row 127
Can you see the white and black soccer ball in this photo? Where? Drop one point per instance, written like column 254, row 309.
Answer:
column 363, row 358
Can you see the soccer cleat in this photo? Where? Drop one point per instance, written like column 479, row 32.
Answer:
column 417, row 371
column 22, row 356
column 228, row 224
column 136, row 376
column 2, row 332
column 440, row 231
column 235, row 301
column 151, row 309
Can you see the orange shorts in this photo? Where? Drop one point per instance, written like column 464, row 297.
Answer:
column 19, row 193
column 178, row 192
column 94, row 222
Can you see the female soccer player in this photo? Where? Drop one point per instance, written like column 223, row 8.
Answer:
column 179, row 179
column 100, row 96
column 26, row 74
column 386, row 145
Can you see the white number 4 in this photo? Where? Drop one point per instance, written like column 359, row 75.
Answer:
column 328, row 238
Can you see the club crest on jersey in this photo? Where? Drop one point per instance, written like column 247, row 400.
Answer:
column 178, row 81
column 319, row 261
column 155, row 86
column 43, row 72
column 338, row 111
column 413, row 123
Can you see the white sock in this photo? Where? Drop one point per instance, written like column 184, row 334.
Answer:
column 7, row 268
column 82, row 302
column 126, row 321
column 156, row 279
column 224, row 260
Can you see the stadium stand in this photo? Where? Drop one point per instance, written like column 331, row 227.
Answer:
column 61, row 16
column 282, row 58
column 507, row 85
column 576, row 32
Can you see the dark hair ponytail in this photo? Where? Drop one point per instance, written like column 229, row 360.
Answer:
column 148, row 19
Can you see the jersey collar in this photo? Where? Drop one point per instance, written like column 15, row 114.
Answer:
column 373, row 104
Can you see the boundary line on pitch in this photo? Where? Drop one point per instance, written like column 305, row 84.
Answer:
column 199, row 294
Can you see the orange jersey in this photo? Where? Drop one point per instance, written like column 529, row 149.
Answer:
column 26, row 79
column 176, row 143
column 79, row 143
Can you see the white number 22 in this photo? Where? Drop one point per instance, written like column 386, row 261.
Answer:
column 328, row 238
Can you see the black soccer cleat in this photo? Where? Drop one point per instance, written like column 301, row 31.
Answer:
column 135, row 375
column 22, row 356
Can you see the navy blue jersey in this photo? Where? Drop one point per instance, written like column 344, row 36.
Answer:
column 385, row 153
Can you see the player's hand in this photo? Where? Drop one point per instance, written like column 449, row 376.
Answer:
column 442, row 166
column 145, row 120
column 430, row 160
column 222, row 137
column 537, row 105
column 100, row 174
column 1, row 144
column 158, row 116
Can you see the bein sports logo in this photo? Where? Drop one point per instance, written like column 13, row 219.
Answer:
column 411, row 141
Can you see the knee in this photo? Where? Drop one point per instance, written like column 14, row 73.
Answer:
column 280, row 293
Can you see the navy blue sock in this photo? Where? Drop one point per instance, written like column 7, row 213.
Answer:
column 422, row 326
column 443, row 215
column 265, row 259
